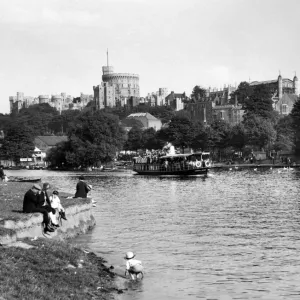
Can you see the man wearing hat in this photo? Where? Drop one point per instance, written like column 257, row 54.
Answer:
column 82, row 188
column 31, row 205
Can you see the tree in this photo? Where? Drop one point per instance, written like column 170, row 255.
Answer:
column 237, row 137
column 181, row 132
column 37, row 117
column 243, row 92
column 259, row 132
column 134, row 140
column 198, row 92
column 218, row 136
column 199, row 141
column 259, row 103
column 18, row 143
column 295, row 115
column 93, row 137
column 149, row 140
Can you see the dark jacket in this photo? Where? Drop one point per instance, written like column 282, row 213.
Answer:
column 42, row 197
column 81, row 190
column 30, row 201
column 2, row 174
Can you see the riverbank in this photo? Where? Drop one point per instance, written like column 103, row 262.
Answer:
column 52, row 269
column 37, row 267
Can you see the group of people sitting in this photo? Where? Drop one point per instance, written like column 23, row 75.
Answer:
column 37, row 200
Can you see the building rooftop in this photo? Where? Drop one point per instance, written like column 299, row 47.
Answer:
column 146, row 115
column 52, row 140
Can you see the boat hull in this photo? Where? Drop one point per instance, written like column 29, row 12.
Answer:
column 191, row 172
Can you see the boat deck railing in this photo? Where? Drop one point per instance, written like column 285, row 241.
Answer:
column 162, row 168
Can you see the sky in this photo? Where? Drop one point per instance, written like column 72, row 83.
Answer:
column 54, row 46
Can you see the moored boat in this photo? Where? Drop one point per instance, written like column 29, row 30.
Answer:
column 176, row 164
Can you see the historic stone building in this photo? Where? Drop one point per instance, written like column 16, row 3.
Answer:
column 285, row 92
column 233, row 114
column 104, row 95
column 146, row 120
column 176, row 100
column 59, row 101
column 157, row 98
column 220, row 96
column 200, row 110
column 116, row 88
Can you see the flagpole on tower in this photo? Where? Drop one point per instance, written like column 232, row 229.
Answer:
column 107, row 56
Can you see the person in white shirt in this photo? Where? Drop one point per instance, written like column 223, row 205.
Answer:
column 133, row 266
column 55, row 203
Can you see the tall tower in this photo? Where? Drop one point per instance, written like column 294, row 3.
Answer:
column 279, row 86
column 107, row 69
column 295, row 85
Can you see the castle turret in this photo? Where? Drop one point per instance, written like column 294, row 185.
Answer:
column 279, row 86
column 295, row 85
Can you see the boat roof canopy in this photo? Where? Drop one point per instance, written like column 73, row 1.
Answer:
column 185, row 155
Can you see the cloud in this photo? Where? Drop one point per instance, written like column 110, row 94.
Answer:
column 34, row 12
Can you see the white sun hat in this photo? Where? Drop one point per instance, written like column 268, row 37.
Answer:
column 129, row 255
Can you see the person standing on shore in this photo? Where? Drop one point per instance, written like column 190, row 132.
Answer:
column 2, row 175
column 82, row 188
column 31, row 205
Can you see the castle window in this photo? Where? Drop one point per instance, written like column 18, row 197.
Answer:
column 284, row 108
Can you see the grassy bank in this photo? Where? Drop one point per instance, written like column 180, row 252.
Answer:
column 53, row 270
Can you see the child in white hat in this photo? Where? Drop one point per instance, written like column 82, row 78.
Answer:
column 133, row 266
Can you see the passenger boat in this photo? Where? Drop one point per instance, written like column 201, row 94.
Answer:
column 176, row 164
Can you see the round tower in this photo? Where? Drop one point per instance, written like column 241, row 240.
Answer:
column 279, row 86
column 295, row 84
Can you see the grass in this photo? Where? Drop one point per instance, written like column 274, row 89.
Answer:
column 11, row 200
column 53, row 270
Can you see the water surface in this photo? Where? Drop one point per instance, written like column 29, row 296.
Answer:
column 234, row 235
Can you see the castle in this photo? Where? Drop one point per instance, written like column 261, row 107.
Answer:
column 285, row 92
column 116, row 88
column 59, row 101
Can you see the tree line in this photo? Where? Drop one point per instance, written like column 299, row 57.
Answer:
column 96, row 136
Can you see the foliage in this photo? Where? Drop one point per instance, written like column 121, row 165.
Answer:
column 198, row 92
column 18, row 143
column 259, row 132
column 37, row 117
column 242, row 93
column 200, row 139
column 134, row 139
column 259, row 103
column 237, row 137
column 181, row 132
column 285, row 139
column 218, row 135
column 94, row 137
column 149, row 139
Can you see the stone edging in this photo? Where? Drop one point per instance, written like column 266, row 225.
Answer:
column 79, row 220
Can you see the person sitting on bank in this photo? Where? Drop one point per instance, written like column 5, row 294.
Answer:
column 82, row 188
column 55, row 203
column 31, row 205
column 2, row 174
column 44, row 202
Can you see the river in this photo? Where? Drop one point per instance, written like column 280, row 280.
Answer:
column 232, row 235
